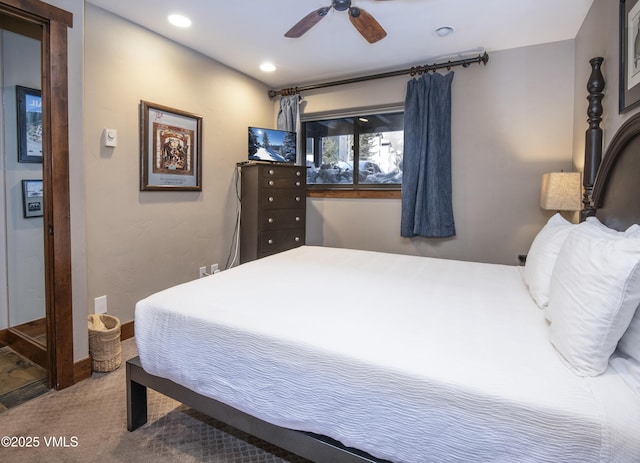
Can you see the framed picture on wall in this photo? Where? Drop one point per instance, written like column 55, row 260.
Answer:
column 29, row 122
column 170, row 151
column 32, row 198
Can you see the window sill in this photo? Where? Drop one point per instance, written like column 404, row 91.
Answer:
column 337, row 193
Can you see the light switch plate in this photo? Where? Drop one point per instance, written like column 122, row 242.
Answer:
column 110, row 137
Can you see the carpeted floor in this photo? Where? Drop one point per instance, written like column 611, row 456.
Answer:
column 87, row 423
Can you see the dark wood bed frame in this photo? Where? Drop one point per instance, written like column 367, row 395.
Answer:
column 611, row 193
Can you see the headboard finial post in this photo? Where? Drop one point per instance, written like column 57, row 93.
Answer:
column 593, row 136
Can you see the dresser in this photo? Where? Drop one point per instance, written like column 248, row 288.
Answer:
column 273, row 201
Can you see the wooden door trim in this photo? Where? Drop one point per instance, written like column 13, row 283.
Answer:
column 55, row 172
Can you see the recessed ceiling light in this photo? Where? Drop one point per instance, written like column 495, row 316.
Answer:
column 267, row 67
column 179, row 20
column 443, row 31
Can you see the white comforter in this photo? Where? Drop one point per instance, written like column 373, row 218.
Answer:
column 410, row 359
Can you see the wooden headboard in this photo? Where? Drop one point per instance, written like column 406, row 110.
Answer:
column 616, row 193
column 611, row 188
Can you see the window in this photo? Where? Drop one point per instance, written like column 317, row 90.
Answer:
column 355, row 152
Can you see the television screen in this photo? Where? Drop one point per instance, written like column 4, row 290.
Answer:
column 272, row 145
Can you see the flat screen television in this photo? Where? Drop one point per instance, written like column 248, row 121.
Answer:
column 271, row 145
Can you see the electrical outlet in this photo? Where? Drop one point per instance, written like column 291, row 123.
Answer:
column 100, row 304
column 203, row 272
column 214, row 268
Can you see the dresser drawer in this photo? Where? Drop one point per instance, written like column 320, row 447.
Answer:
column 279, row 172
column 283, row 182
column 276, row 219
column 281, row 240
column 283, row 198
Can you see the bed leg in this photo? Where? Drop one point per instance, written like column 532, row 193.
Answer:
column 136, row 402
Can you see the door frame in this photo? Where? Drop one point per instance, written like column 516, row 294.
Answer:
column 55, row 174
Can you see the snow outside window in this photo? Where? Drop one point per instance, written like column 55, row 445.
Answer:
column 355, row 151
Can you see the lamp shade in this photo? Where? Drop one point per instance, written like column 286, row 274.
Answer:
column 561, row 191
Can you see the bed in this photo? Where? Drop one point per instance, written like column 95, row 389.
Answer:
column 414, row 359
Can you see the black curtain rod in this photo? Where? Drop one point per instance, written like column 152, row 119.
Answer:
column 480, row 59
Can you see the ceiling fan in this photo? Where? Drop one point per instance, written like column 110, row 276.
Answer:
column 366, row 24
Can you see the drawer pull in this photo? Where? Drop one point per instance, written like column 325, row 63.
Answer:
column 297, row 183
column 270, row 241
column 298, row 173
column 270, row 220
column 271, row 172
column 271, row 182
column 297, row 198
column 296, row 239
column 297, row 219
column 270, row 199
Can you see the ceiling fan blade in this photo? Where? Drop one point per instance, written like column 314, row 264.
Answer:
column 307, row 23
column 366, row 24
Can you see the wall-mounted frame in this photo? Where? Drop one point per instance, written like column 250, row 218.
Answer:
column 32, row 198
column 629, row 90
column 29, row 121
column 170, row 149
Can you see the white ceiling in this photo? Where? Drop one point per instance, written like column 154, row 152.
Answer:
column 244, row 33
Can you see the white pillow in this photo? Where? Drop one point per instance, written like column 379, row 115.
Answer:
column 631, row 231
column 629, row 345
column 594, row 292
column 542, row 258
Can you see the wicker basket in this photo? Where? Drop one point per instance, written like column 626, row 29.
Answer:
column 104, row 342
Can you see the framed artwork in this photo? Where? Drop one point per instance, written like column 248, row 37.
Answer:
column 171, row 149
column 32, row 198
column 629, row 95
column 29, row 121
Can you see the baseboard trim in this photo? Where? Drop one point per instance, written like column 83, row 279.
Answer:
column 126, row 331
column 4, row 337
column 81, row 370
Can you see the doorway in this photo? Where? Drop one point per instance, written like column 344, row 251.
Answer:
column 51, row 24
column 22, row 262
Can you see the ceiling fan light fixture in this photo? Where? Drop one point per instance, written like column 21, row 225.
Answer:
column 443, row 31
column 366, row 24
column 341, row 5
column 179, row 20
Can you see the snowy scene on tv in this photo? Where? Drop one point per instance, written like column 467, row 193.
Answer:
column 272, row 145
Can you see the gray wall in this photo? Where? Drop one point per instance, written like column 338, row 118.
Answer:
column 141, row 242
column 512, row 121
